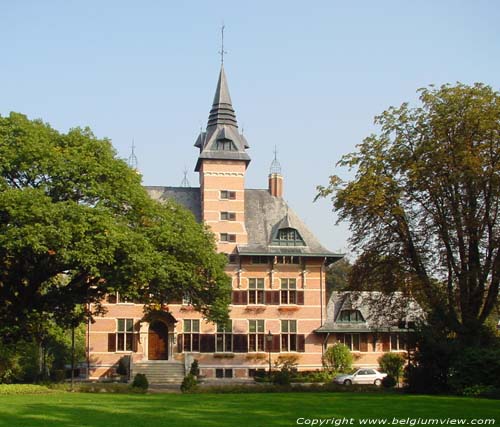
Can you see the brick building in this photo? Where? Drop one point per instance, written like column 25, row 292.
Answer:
column 276, row 264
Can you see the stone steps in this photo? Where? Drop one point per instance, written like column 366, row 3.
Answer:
column 159, row 373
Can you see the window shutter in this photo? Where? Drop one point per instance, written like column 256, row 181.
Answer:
column 268, row 297
column 244, row 297
column 301, row 342
column 276, row 297
column 386, row 342
column 276, row 344
column 240, row 297
column 300, row 297
column 240, row 343
column 179, row 343
column 363, row 346
column 207, row 343
column 111, row 342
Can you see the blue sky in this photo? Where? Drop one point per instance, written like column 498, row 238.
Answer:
column 306, row 77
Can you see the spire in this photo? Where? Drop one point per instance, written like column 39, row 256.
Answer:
column 275, row 165
column 222, row 112
column 132, row 159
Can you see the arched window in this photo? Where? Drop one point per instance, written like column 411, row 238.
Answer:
column 288, row 237
column 350, row 316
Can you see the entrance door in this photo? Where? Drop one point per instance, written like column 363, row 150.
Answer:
column 158, row 341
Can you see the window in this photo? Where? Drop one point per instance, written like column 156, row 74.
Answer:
column 287, row 260
column 255, row 291
column 288, row 335
column 352, row 341
column 398, row 342
column 191, row 335
column 226, row 237
column 228, row 216
column 186, row 299
column 350, row 316
column 223, row 373
column 256, row 372
column 229, row 195
column 232, row 258
column 256, row 336
column 259, row 259
column 288, row 237
column 125, row 335
column 225, row 145
column 224, row 338
column 288, row 291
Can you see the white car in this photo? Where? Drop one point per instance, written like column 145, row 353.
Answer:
column 361, row 376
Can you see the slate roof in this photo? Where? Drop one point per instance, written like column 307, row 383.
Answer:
column 222, row 125
column 381, row 312
column 264, row 216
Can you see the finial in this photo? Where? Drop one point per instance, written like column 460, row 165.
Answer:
column 132, row 159
column 185, row 181
column 275, row 165
column 222, row 51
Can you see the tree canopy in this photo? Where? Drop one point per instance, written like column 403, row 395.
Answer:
column 76, row 224
column 423, row 205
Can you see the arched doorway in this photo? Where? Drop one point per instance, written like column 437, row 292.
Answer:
column 158, row 341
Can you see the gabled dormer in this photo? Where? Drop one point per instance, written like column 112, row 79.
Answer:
column 287, row 234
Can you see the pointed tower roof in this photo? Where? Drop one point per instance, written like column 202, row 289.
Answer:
column 222, row 140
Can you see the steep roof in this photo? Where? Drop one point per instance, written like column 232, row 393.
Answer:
column 381, row 312
column 222, row 126
column 264, row 216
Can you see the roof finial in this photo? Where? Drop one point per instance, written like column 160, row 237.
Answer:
column 275, row 165
column 222, row 51
column 185, row 180
column 132, row 159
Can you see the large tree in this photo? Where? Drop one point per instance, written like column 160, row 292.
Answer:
column 76, row 224
column 424, row 203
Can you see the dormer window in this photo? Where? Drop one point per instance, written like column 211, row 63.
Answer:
column 288, row 237
column 350, row 316
column 225, row 145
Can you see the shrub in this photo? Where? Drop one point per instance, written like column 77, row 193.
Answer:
column 195, row 369
column 286, row 367
column 123, row 365
column 189, row 383
column 389, row 381
column 140, row 381
column 6, row 389
column 338, row 358
column 392, row 364
column 59, row 375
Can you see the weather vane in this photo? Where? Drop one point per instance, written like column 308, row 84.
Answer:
column 222, row 51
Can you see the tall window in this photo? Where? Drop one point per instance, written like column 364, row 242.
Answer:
column 191, row 335
column 224, row 338
column 256, row 336
column 288, row 237
column 288, row 335
column 228, row 216
column 125, row 335
column 255, row 291
column 288, row 291
column 350, row 316
column 352, row 341
column 226, row 194
column 398, row 342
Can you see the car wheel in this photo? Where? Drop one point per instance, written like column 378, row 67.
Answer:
column 378, row 382
column 347, row 382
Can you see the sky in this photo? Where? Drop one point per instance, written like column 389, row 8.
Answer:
column 306, row 77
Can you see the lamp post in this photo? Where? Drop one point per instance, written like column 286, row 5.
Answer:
column 269, row 339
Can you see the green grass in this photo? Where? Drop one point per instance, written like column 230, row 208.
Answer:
column 279, row 409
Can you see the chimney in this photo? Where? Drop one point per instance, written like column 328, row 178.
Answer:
column 276, row 184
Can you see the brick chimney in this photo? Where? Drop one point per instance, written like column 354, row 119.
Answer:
column 276, row 184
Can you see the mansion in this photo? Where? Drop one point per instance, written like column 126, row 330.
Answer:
column 278, row 268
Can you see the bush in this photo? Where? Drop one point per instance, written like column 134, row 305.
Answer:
column 140, row 381
column 389, row 381
column 338, row 358
column 286, row 367
column 189, row 383
column 123, row 365
column 195, row 368
column 7, row 389
column 392, row 364
column 59, row 375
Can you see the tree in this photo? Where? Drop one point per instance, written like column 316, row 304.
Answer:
column 392, row 364
column 338, row 358
column 76, row 224
column 337, row 276
column 425, row 202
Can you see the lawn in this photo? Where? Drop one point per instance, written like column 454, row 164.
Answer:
column 275, row 409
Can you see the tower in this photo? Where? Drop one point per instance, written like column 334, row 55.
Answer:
column 222, row 164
